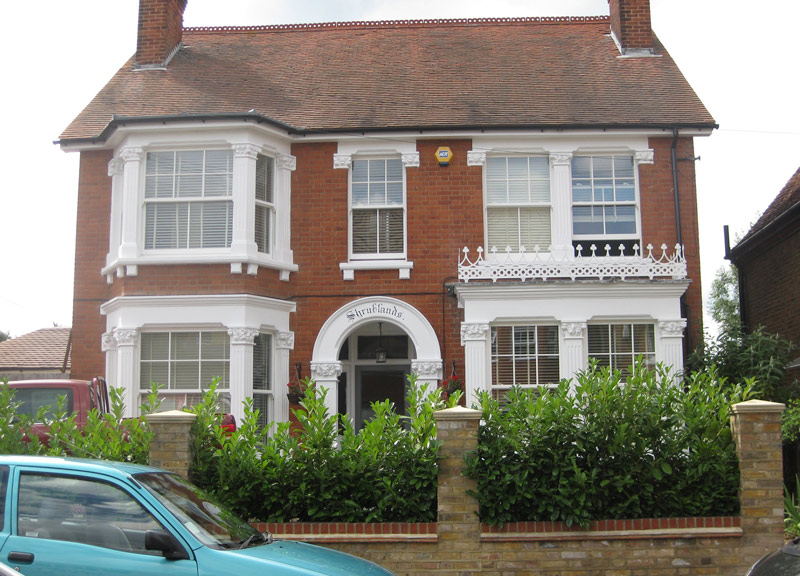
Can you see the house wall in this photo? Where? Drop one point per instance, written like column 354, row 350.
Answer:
column 770, row 289
column 91, row 245
column 445, row 213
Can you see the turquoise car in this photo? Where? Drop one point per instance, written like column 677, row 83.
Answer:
column 86, row 517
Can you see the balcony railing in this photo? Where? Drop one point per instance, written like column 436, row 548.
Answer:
column 524, row 266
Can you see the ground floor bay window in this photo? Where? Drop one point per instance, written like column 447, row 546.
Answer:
column 184, row 343
column 534, row 334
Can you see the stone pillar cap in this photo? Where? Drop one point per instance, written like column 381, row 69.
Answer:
column 752, row 406
column 458, row 413
column 171, row 416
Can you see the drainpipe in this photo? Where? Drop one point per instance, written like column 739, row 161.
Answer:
column 675, row 185
column 688, row 341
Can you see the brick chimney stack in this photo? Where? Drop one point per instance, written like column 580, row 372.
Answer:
column 160, row 32
column 630, row 25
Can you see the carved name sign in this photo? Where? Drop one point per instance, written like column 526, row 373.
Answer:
column 373, row 310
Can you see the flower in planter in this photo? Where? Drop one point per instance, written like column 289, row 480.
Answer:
column 296, row 389
column 452, row 384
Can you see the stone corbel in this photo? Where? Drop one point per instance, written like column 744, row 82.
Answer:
column 285, row 341
column 287, row 162
column 410, row 160
column 326, row 370
column 342, row 161
column 474, row 332
column 644, row 156
column 243, row 335
column 560, row 158
column 476, row 157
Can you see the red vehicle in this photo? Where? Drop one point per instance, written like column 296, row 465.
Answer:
column 80, row 396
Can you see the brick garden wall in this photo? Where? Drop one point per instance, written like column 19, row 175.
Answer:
column 459, row 544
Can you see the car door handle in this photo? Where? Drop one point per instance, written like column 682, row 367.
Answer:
column 21, row 557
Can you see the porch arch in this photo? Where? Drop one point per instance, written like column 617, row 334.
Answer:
column 325, row 365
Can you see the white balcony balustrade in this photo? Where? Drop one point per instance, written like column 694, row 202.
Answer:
column 525, row 266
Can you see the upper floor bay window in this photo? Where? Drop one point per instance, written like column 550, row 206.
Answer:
column 518, row 208
column 377, row 209
column 604, row 201
column 214, row 205
column 188, row 199
column 265, row 203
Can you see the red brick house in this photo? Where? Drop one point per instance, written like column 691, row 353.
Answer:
column 768, row 262
column 262, row 203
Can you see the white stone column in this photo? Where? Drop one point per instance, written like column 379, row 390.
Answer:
column 127, row 368
column 284, row 166
column 669, row 345
column 428, row 372
column 243, row 244
column 475, row 340
column 561, row 199
column 116, row 169
column 131, row 204
column 241, row 383
column 284, row 344
column 109, row 346
column 326, row 375
column 572, row 356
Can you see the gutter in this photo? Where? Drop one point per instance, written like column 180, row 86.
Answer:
column 258, row 118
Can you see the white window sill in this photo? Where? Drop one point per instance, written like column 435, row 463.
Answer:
column 402, row 266
column 122, row 267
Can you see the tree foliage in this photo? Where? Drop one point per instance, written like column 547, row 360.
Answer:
column 723, row 304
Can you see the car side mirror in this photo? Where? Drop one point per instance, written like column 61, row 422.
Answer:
column 164, row 542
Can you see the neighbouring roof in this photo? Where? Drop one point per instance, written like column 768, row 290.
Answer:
column 45, row 349
column 429, row 74
column 785, row 205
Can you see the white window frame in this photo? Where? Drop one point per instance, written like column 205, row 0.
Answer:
column 166, row 390
column 266, row 206
column 651, row 356
column 378, row 208
column 268, row 391
column 536, row 356
column 488, row 204
column 635, row 203
column 193, row 203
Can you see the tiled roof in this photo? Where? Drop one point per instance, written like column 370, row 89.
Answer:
column 787, row 199
column 43, row 349
column 437, row 74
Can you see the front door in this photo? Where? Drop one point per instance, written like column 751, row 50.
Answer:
column 376, row 384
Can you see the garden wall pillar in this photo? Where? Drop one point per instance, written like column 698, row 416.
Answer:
column 171, row 447
column 756, row 427
column 459, row 527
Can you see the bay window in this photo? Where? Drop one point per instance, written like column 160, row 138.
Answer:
column 188, row 199
column 184, row 364
column 618, row 346
column 265, row 203
column 526, row 356
column 518, row 210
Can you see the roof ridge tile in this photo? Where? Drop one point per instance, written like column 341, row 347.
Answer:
column 421, row 23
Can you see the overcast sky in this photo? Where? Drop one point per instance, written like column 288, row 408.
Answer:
column 741, row 57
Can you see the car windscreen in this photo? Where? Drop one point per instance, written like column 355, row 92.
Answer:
column 32, row 400
column 209, row 521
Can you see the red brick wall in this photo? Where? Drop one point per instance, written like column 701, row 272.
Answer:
column 445, row 213
column 160, row 30
column 91, row 246
column 630, row 22
column 659, row 222
column 770, row 286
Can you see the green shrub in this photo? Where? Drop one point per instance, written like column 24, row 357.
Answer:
column 605, row 449
column 325, row 470
column 14, row 437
